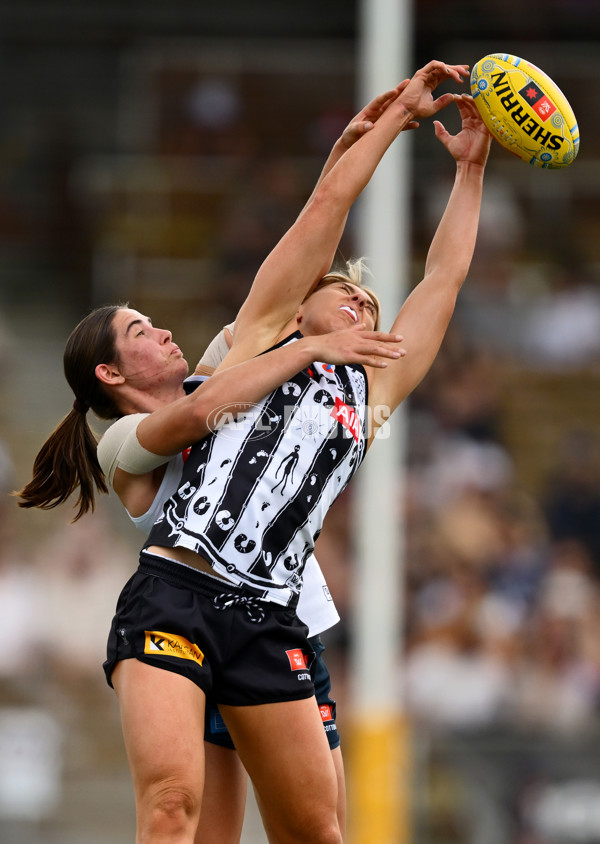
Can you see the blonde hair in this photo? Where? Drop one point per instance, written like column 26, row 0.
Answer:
column 353, row 271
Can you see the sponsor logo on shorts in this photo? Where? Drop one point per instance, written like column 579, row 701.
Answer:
column 326, row 712
column 168, row 644
column 297, row 659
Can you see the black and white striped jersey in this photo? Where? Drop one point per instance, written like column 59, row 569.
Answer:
column 254, row 494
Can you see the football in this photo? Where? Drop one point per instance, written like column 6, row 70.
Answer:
column 525, row 110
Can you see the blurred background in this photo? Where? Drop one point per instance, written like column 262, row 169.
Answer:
column 153, row 153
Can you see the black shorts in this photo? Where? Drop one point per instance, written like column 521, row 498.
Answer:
column 327, row 705
column 215, row 729
column 241, row 651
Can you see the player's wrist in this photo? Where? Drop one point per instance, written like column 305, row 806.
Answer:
column 308, row 350
column 467, row 168
column 406, row 112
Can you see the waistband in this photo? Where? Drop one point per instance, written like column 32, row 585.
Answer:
column 187, row 577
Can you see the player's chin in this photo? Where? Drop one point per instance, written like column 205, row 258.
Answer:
column 335, row 323
column 345, row 320
column 181, row 366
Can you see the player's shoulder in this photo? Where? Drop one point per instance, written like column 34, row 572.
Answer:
column 114, row 436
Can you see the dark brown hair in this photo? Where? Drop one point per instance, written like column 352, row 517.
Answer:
column 67, row 461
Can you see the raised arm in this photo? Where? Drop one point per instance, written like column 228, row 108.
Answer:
column 171, row 429
column 306, row 251
column 231, row 390
column 424, row 317
column 360, row 124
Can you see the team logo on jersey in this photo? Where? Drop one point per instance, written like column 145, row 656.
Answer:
column 347, row 417
column 168, row 644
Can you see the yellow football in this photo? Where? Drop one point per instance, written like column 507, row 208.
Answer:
column 525, row 110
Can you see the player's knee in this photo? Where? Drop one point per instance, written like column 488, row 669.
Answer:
column 323, row 832
column 329, row 835
column 174, row 808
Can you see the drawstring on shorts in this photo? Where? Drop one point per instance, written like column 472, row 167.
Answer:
column 252, row 605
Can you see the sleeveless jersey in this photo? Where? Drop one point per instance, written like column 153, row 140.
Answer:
column 254, row 494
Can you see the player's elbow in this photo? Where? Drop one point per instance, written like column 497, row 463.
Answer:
column 331, row 198
column 444, row 285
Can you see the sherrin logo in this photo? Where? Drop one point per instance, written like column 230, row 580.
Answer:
column 525, row 111
column 509, row 101
column 168, row 644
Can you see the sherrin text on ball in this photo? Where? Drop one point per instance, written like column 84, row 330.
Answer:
column 525, row 110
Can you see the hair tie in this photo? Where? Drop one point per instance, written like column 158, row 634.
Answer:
column 80, row 406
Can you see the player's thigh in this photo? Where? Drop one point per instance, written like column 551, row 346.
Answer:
column 224, row 802
column 285, row 750
column 162, row 718
column 338, row 763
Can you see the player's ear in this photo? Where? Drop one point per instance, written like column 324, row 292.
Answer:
column 109, row 373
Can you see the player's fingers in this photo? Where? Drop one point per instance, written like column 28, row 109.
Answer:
column 382, row 336
column 440, row 70
column 386, row 96
column 440, row 130
column 356, row 130
column 379, row 359
column 379, row 104
column 359, row 127
column 465, row 103
column 441, row 102
column 456, row 72
column 389, row 352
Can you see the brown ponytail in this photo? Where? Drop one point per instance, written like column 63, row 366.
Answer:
column 67, row 460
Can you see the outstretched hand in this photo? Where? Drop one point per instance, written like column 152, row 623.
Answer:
column 358, row 345
column 473, row 141
column 417, row 95
column 368, row 116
